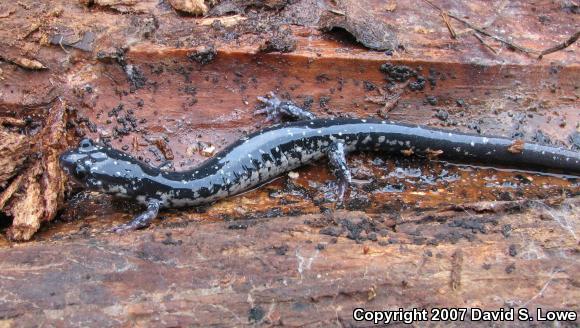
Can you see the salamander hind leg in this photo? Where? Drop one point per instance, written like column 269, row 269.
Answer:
column 142, row 220
column 337, row 160
column 276, row 109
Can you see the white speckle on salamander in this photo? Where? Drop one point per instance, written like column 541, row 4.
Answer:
column 117, row 189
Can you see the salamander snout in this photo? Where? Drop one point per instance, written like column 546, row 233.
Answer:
column 78, row 162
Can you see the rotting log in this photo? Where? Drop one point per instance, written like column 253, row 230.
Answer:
column 283, row 270
column 154, row 82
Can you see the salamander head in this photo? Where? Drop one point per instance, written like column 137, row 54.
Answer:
column 98, row 168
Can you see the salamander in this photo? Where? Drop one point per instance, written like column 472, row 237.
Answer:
column 268, row 153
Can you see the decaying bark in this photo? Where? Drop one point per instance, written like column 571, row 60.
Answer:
column 194, row 7
column 14, row 149
column 37, row 191
column 26, row 206
column 359, row 21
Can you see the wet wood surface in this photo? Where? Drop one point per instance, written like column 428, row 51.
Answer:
column 301, row 270
column 413, row 233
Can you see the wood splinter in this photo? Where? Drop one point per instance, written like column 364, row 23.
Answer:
column 517, row 147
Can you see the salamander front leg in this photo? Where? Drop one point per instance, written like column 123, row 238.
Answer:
column 337, row 160
column 142, row 220
column 276, row 109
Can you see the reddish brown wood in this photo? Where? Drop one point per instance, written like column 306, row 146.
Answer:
column 471, row 237
column 284, row 271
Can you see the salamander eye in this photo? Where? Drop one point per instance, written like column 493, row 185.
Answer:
column 85, row 143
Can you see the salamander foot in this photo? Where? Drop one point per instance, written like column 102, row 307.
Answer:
column 140, row 221
column 276, row 109
column 337, row 160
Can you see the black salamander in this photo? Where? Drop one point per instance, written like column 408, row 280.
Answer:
column 268, row 153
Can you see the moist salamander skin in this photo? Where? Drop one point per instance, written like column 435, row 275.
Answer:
column 268, row 153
